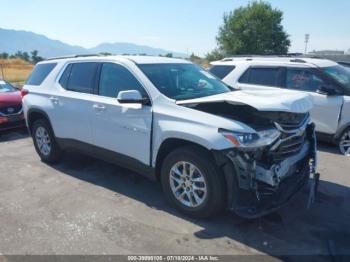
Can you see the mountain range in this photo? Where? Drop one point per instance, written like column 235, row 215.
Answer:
column 12, row 41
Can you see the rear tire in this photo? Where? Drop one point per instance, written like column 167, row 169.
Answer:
column 344, row 142
column 44, row 142
column 193, row 183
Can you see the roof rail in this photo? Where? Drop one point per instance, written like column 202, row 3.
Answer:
column 231, row 57
column 72, row 56
column 298, row 60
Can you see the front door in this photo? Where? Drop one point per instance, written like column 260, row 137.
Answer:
column 122, row 128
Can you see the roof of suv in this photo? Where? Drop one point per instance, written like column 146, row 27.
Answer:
column 275, row 59
column 135, row 59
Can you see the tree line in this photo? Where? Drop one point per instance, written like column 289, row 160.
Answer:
column 31, row 57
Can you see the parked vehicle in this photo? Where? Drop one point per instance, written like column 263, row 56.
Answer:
column 209, row 145
column 346, row 64
column 11, row 113
column 327, row 82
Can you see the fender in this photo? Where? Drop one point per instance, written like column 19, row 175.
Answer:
column 37, row 111
column 341, row 130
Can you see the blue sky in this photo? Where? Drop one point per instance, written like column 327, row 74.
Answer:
column 178, row 25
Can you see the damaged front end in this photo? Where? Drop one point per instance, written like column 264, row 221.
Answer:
column 261, row 178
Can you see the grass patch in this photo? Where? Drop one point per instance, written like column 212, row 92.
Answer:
column 15, row 70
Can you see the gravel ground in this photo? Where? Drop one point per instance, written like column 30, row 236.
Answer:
column 85, row 206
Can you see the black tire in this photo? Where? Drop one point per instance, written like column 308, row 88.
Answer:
column 216, row 191
column 55, row 152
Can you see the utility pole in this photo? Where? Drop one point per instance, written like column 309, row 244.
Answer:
column 307, row 37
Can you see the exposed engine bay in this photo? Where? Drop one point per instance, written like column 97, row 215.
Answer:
column 251, row 116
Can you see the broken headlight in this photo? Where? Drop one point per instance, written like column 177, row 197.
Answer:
column 248, row 140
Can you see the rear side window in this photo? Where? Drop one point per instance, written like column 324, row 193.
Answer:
column 79, row 77
column 39, row 74
column 221, row 71
column 266, row 76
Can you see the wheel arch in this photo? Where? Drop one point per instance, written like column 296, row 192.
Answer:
column 341, row 130
column 35, row 114
column 169, row 145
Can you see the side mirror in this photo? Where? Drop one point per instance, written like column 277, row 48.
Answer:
column 327, row 90
column 130, row 97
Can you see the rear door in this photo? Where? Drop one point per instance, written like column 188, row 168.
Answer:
column 262, row 77
column 72, row 105
column 122, row 128
column 326, row 110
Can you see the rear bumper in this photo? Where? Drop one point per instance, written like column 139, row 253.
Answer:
column 255, row 188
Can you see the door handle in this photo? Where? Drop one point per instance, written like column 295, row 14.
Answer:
column 54, row 99
column 99, row 108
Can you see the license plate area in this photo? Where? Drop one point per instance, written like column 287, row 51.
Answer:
column 15, row 118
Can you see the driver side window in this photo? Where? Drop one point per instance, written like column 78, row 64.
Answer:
column 303, row 79
column 115, row 78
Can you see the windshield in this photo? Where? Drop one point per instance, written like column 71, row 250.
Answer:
column 183, row 81
column 5, row 87
column 340, row 74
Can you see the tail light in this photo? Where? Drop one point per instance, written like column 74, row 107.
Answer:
column 24, row 92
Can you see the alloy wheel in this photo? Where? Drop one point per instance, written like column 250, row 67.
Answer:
column 43, row 140
column 344, row 143
column 188, row 184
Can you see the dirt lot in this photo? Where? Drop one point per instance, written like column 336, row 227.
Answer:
column 85, row 206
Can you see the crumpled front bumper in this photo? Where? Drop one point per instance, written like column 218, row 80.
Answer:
column 256, row 187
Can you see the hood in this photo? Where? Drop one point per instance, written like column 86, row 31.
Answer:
column 262, row 100
column 10, row 98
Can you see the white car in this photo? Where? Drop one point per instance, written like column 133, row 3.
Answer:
column 327, row 82
column 209, row 145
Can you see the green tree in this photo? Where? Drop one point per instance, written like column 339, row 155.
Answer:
column 253, row 29
column 168, row 55
column 4, row 55
column 214, row 55
column 25, row 56
column 18, row 54
column 35, row 58
column 21, row 55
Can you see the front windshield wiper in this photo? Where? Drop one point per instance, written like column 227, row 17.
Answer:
column 178, row 98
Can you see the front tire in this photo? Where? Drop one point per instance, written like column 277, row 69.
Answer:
column 344, row 142
column 192, row 182
column 45, row 142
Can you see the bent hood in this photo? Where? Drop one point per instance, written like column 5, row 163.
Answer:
column 262, row 100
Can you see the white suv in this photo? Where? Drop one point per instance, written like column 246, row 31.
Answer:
column 210, row 146
column 327, row 82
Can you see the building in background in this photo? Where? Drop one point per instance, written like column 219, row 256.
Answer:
column 335, row 55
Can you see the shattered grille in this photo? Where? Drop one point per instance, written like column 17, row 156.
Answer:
column 289, row 148
column 295, row 122
column 291, row 142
